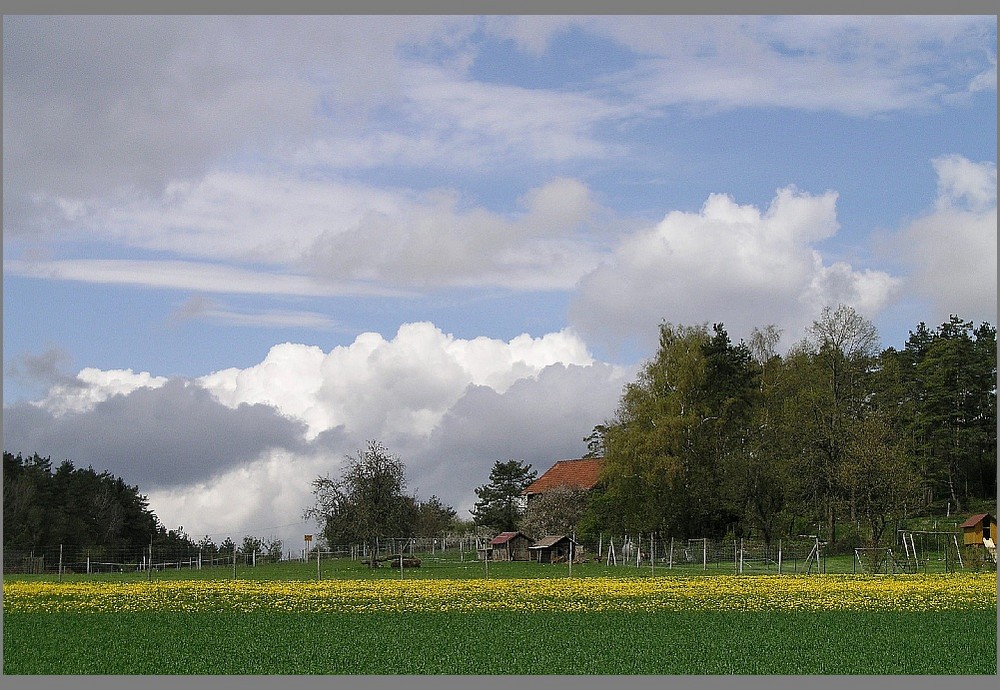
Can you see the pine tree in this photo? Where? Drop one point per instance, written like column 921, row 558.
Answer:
column 500, row 505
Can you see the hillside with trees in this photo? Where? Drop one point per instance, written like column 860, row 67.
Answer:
column 716, row 438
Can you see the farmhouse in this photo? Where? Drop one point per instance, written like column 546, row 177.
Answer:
column 510, row 546
column 582, row 473
column 555, row 549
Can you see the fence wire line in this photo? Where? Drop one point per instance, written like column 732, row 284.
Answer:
column 642, row 551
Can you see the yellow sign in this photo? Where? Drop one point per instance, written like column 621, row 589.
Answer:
column 309, row 537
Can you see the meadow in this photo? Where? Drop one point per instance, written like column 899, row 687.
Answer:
column 279, row 620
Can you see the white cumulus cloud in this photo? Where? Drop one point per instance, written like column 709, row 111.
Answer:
column 92, row 386
column 728, row 262
column 953, row 248
column 384, row 388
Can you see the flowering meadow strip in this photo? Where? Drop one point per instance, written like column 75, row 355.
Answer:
column 912, row 593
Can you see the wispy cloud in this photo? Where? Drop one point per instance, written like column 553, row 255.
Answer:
column 190, row 276
column 201, row 308
column 857, row 65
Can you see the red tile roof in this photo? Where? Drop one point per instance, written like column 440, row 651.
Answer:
column 976, row 520
column 575, row 474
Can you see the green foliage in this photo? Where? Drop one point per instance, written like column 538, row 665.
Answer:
column 433, row 518
column 949, row 377
column 676, row 434
column 557, row 511
column 500, row 504
column 43, row 508
column 367, row 502
column 717, row 438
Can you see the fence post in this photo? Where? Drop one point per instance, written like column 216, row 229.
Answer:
column 60, row 562
column 779, row 557
column 652, row 555
column 671, row 563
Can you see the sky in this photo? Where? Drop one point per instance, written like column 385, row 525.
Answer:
column 237, row 248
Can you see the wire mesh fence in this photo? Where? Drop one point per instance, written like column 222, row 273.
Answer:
column 73, row 560
column 623, row 553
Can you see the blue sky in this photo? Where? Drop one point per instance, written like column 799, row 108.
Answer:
column 454, row 234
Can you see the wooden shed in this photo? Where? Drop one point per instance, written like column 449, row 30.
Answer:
column 979, row 528
column 555, row 549
column 510, row 546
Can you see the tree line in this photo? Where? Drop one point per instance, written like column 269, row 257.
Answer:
column 45, row 508
column 716, row 438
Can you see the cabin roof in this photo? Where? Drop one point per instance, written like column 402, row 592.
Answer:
column 575, row 474
column 549, row 541
column 505, row 537
column 977, row 520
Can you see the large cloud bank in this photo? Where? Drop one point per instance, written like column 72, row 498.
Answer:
column 235, row 451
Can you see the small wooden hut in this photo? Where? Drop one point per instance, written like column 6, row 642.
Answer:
column 978, row 528
column 555, row 549
column 510, row 546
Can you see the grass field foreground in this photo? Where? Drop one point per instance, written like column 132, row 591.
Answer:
column 677, row 625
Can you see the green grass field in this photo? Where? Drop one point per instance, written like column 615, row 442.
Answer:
column 659, row 643
column 488, row 642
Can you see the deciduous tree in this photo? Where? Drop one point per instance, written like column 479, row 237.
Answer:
column 557, row 511
column 366, row 503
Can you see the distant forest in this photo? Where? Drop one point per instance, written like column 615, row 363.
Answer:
column 45, row 506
